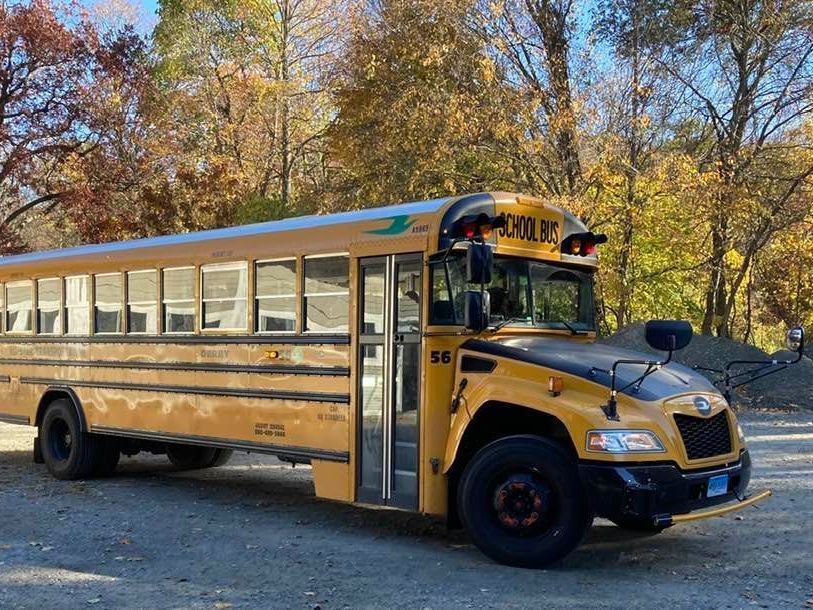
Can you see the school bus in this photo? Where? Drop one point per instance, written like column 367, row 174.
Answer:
column 435, row 356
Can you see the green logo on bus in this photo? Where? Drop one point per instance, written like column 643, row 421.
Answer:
column 398, row 224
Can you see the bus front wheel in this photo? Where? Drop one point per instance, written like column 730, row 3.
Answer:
column 521, row 501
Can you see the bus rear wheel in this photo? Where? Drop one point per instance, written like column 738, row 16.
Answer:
column 68, row 453
column 194, row 457
column 522, row 503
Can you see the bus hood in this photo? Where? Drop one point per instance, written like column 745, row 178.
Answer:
column 590, row 360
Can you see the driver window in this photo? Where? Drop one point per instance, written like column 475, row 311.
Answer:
column 508, row 290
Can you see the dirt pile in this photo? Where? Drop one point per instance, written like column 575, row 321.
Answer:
column 791, row 388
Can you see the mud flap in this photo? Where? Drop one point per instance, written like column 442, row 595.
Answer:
column 38, row 459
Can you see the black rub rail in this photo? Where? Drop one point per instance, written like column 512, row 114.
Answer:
column 204, row 390
column 286, row 450
column 212, row 367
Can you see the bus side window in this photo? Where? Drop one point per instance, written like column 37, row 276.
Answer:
column 108, row 303
column 327, row 294
column 2, row 308
column 179, row 300
column 19, row 306
column 142, row 302
column 49, row 296
column 77, row 317
column 223, row 296
column 275, row 296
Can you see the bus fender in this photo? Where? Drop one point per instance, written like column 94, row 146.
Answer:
column 496, row 419
column 59, row 391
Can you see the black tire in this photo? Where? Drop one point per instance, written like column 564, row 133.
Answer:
column 191, row 457
column 638, row 525
column 522, row 503
column 68, row 453
column 221, row 458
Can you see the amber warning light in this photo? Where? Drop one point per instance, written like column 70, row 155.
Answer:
column 555, row 385
column 583, row 244
column 478, row 225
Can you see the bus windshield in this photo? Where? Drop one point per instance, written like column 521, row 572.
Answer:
column 522, row 292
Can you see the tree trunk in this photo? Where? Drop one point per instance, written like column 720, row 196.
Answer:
column 285, row 114
column 716, row 289
column 551, row 20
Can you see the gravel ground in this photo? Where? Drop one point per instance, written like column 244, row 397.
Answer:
column 252, row 535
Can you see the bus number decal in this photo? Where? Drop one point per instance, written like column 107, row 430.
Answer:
column 440, row 357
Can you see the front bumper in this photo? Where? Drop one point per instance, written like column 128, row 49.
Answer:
column 655, row 493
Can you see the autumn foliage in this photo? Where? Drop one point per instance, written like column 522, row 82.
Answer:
column 682, row 129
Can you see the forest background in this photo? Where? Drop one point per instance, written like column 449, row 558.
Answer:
column 681, row 128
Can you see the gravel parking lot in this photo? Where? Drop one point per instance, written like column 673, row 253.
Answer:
column 252, row 535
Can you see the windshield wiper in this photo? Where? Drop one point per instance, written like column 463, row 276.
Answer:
column 507, row 321
column 567, row 325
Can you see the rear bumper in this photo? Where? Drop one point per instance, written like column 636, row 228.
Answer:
column 654, row 493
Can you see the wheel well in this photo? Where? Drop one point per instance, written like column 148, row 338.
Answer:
column 55, row 393
column 495, row 420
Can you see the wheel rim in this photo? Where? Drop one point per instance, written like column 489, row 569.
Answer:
column 60, row 440
column 524, row 503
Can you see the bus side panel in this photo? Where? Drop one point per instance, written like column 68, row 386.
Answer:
column 19, row 396
column 333, row 480
column 439, row 359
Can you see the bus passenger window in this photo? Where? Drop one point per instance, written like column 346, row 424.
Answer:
column 327, row 294
column 107, row 306
column 2, row 307
column 275, row 294
column 142, row 302
column 77, row 316
column 179, row 300
column 48, row 306
column 223, row 303
column 18, row 306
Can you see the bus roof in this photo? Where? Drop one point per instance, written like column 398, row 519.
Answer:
column 287, row 224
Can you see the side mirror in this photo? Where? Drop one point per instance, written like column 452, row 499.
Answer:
column 668, row 335
column 478, row 263
column 477, row 310
column 795, row 339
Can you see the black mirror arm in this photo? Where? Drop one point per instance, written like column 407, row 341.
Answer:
column 611, row 408
column 448, row 252
column 765, row 368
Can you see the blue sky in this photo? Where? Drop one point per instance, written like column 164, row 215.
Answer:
column 146, row 10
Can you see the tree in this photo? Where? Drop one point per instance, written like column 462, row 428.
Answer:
column 418, row 102
column 249, row 87
column 747, row 66
column 635, row 102
column 530, row 42
column 46, row 70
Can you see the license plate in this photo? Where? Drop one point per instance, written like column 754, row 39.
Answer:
column 718, row 486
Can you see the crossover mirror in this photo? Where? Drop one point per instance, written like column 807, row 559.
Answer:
column 668, row 335
column 477, row 310
column 795, row 339
column 479, row 259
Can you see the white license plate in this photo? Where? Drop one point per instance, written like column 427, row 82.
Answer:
column 718, row 486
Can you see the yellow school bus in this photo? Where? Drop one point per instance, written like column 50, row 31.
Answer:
column 436, row 356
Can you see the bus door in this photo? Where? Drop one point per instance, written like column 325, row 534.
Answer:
column 389, row 379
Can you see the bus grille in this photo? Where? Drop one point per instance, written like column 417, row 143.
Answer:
column 704, row 437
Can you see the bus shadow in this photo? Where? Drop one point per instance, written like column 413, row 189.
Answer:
column 266, row 489
column 276, row 489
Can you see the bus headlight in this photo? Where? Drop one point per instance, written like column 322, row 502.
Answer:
column 623, row 441
column 740, row 434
